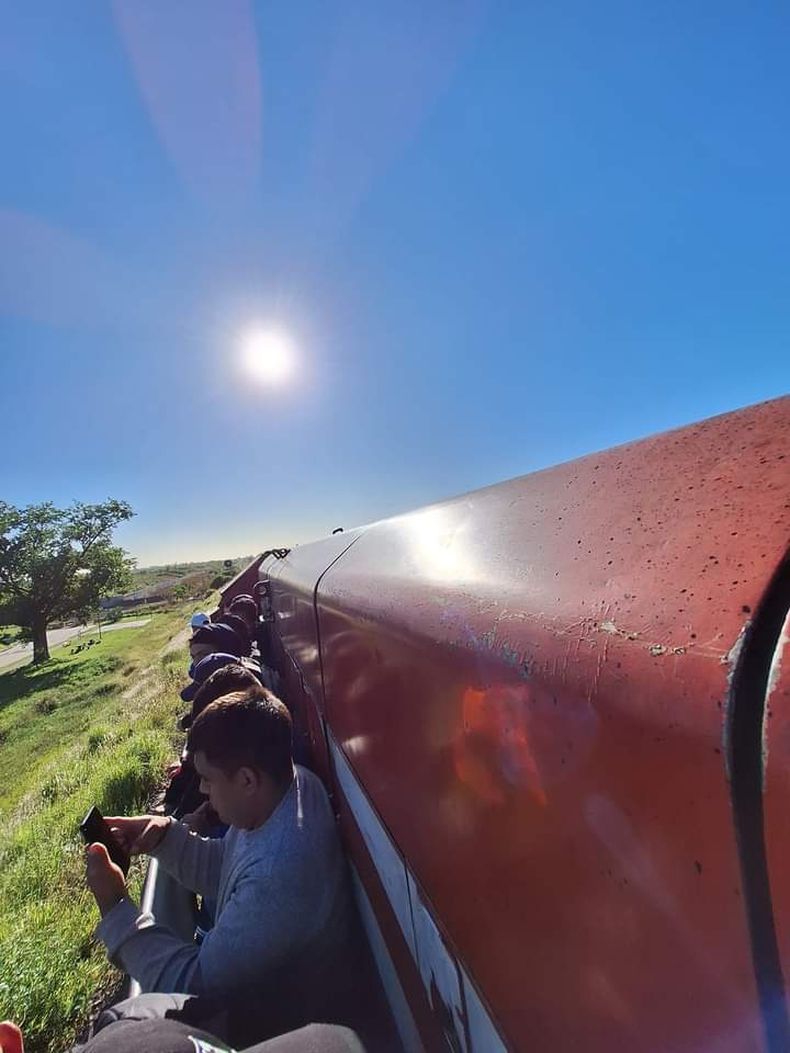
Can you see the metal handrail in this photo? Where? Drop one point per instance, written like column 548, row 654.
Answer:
column 170, row 903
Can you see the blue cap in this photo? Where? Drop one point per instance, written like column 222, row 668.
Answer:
column 203, row 670
column 220, row 637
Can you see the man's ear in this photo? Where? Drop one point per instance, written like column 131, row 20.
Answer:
column 248, row 779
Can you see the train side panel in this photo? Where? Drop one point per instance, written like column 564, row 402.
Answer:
column 525, row 692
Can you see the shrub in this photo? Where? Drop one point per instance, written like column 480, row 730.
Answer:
column 108, row 687
column 97, row 739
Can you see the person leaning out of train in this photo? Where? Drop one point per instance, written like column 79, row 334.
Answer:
column 284, row 910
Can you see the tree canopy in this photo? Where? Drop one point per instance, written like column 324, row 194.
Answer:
column 58, row 562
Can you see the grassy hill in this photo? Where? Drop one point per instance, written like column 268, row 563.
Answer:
column 94, row 727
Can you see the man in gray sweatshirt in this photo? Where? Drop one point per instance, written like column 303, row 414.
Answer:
column 278, row 876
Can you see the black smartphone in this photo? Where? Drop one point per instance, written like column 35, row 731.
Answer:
column 94, row 828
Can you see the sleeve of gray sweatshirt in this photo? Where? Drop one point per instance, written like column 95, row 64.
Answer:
column 275, row 904
column 250, row 938
column 148, row 951
column 195, row 862
column 253, row 932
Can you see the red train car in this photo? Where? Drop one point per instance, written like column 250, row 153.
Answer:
column 555, row 722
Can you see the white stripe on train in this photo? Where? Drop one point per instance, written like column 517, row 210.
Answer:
column 437, row 966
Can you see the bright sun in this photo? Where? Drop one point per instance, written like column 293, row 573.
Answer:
column 268, row 356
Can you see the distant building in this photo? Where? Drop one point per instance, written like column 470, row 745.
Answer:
column 162, row 590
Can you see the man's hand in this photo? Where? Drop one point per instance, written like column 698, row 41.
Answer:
column 105, row 878
column 10, row 1038
column 139, row 834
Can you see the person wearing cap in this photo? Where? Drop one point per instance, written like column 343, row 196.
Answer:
column 206, row 668
column 239, row 626
column 284, row 911
column 218, row 638
column 213, row 639
column 215, row 676
column 199, row 618
column 245, row 607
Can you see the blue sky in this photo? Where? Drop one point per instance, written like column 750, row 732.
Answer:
column 501, row 235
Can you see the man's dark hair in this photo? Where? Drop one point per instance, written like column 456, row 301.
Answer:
column 231, row 678
column 246, row 608
column 250, row 728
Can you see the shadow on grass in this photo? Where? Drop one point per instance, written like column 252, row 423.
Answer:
column 19, row 683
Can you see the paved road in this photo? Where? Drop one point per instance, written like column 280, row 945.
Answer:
column 55, row 637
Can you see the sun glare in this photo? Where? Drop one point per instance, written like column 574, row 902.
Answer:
column 268, row 356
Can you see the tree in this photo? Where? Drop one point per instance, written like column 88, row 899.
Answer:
column 57, row 563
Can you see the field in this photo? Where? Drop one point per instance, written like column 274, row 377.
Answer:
column 95, row 727
column 143, row 576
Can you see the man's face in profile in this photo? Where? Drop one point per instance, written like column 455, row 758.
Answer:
column 236, row 797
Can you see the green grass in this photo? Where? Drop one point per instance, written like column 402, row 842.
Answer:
column 9, row 634
column 98, row 727
column 46, row 711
